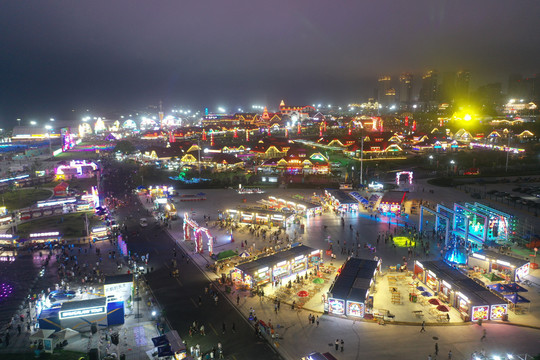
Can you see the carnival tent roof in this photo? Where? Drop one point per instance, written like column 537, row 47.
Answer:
column 516, row 299
column 515, row 288
column 226, row 254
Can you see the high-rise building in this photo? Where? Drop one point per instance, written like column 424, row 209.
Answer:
column 447, row 88
column 527, row 89
column 463, row 78
column 405, row 90
column 429, row 90
column 386, row 93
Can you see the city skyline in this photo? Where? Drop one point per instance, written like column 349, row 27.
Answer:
column 110, row 56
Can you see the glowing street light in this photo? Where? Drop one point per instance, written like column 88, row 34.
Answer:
column 467, row 117
column 33, row 123
column 51, row 119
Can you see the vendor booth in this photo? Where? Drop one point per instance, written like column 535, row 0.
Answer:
column 392, row 202
column 473, row 301
column 260, row 216
column 349, row 294
column 504, row 266
column 298, row 206
column 340, row 200
column 170, row 344
column 281, row 266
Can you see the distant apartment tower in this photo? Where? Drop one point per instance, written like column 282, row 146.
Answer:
column 386, row 93
column 429, row 90
column 527, row 89
column 405, row 91
column 463, row 78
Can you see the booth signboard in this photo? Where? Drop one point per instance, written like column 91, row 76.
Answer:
column 355, row 308
column 498, row 311
column 118, row 291
column 68, row 314
column 48, row 345
column 336, row 306
column 480, row 313
column 522, row 271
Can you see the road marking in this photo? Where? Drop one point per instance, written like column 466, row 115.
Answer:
column 179, row 282
column 194, row 303
column 214, row 330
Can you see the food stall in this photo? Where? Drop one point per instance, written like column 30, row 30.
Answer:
column 504, row 266
column 260, row 216
column 349, row 293
column 284, row 265
column 473, row 301
column 392, row 202
column 298, row 206
column 340, row 200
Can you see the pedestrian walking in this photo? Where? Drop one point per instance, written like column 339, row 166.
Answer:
column 223, row 327
column 337, row 344
column 237, row 300
column 449, row 354
column 317, row 321
column 202, row 330
column 436, row 349
column 233, row 327
column 423, row 329
column 309, row 319
column 19, row 328
column 342, row 345
column 484, row 333
column 275, row 308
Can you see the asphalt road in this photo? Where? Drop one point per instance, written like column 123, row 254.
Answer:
column 179, row 296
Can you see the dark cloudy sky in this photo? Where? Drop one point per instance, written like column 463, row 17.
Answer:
column 58, row 55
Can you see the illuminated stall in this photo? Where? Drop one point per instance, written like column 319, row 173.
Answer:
column 473, row 301
column 282, row 266
column 164, row 205
column 340, row 200
column 504, row 266
column 349, row 294
column 392, row 202
column 260, row 216
column 8, row 240
column 44, row 237
column 100, row 233
column 298, row 206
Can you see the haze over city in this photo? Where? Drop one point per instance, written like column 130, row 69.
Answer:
column 109, row 56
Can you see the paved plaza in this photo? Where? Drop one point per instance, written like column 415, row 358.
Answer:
column 365, row 338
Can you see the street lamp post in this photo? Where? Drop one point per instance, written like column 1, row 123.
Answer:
column 362, row 160
column 507, row 153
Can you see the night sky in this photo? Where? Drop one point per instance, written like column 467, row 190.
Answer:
column 112, row 55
